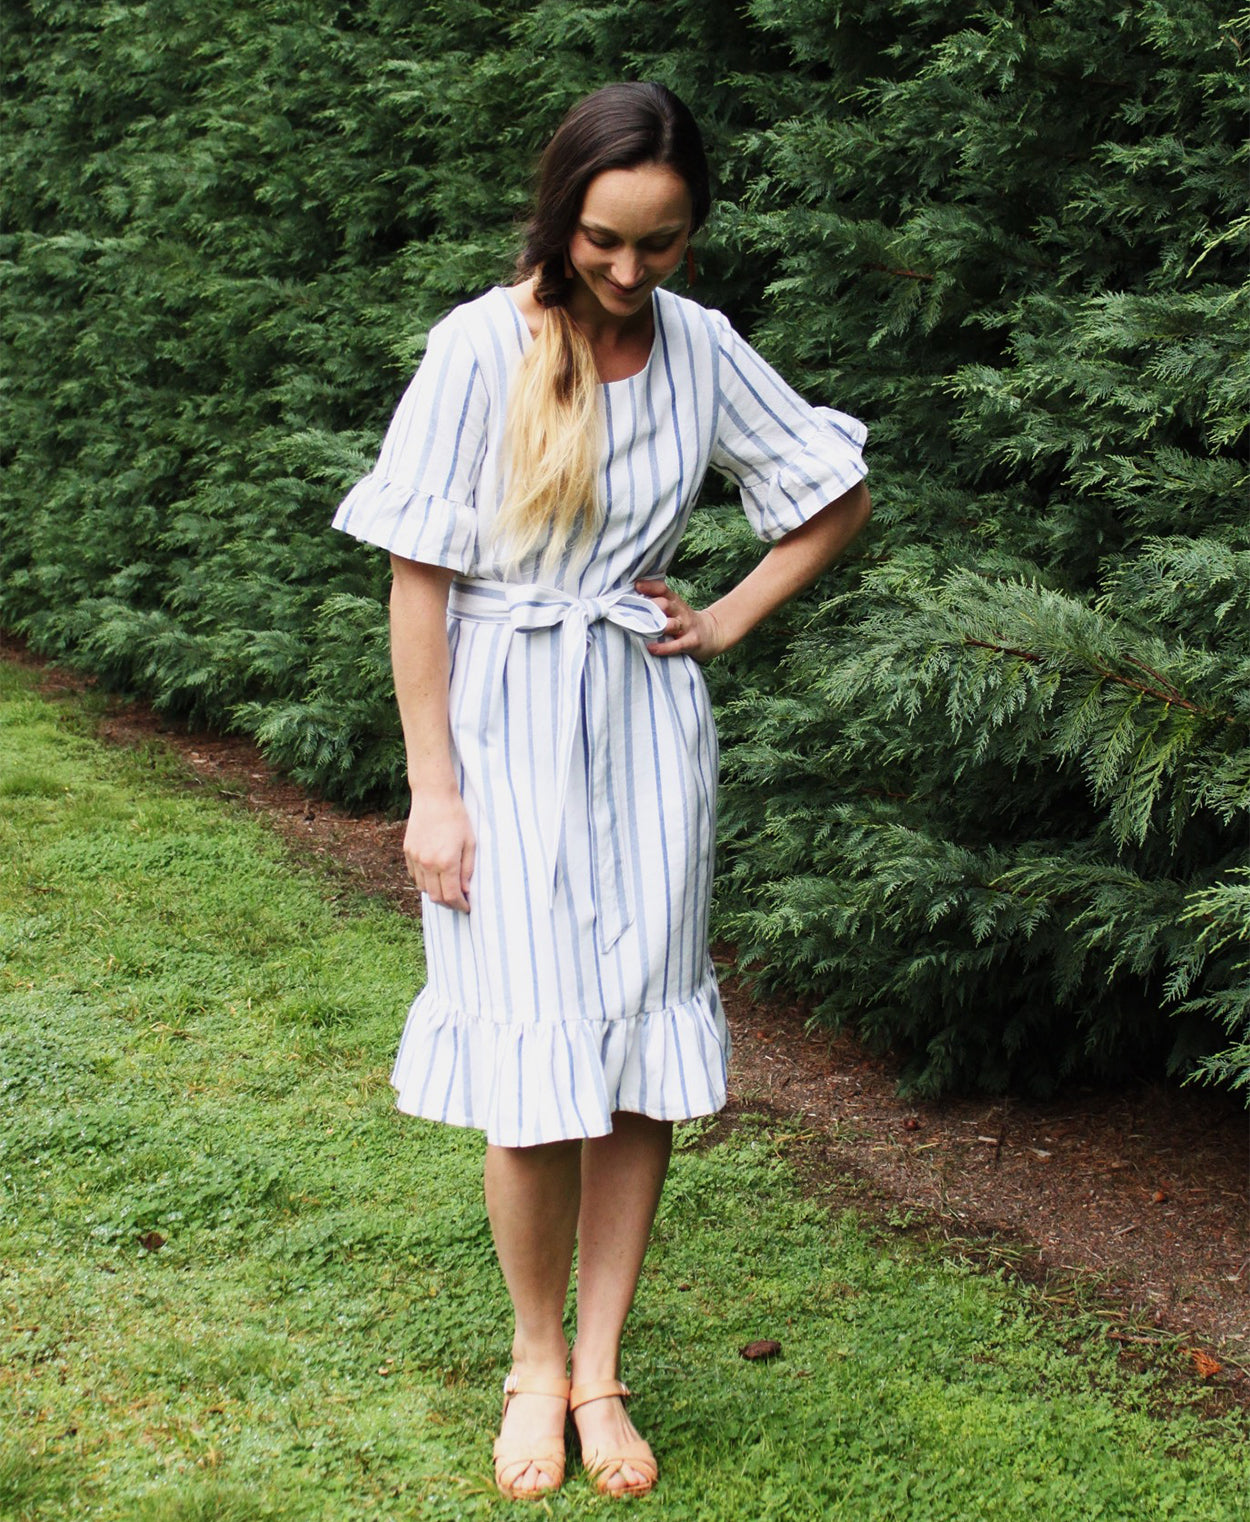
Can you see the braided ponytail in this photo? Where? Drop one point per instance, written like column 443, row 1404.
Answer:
column 553, row 437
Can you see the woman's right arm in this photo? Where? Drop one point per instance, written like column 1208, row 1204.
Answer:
column 439, row 845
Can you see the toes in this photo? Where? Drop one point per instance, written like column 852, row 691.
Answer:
column 531, row 1480
column 624, row 1477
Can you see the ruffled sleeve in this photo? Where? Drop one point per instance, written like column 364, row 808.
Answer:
column 419, row 501
column 787, row 457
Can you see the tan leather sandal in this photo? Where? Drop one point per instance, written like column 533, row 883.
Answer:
column 513, row 1456
column 602, row 1467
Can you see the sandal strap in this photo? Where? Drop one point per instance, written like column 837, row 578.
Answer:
column 511, row 1464
column 637, row 1455
column 603, row 1389
column 517, row 1453
column 557, row 1387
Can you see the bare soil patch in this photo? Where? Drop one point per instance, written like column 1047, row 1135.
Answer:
column 1140, row 1194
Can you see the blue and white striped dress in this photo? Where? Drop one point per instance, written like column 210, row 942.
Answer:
column 580, row 983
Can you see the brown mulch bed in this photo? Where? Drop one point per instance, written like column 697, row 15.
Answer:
column 1138, row 1197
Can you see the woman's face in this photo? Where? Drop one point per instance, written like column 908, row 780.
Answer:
column 631, row 235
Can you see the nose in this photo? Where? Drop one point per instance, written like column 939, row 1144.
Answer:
column 628, row 270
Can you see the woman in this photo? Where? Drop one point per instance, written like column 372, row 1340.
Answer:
column 532, row 489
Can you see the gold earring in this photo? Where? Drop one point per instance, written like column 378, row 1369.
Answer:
column 692, row 272
column 568, row 266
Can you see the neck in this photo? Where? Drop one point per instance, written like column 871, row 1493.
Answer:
column 602, row 328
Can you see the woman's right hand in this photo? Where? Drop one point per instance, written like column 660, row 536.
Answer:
column 439, row 846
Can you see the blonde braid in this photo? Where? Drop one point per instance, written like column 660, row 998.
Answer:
column 553, row 445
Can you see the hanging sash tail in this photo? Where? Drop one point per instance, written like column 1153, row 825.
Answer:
column 580, row 703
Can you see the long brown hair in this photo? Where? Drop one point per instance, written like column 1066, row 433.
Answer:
column 554, row 427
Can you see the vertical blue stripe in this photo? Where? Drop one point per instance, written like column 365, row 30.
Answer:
column 663, row 834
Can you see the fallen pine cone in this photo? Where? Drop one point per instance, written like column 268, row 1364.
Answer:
column 765, row 1348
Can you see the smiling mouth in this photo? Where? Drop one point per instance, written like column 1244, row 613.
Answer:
column 626, row 290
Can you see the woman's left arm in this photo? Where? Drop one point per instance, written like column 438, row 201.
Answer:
column 793, row 563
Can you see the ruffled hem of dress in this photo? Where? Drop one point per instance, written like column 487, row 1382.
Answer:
column 551, row 1081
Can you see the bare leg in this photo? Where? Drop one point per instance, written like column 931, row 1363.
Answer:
column 622, row 1176
column 532, row 1196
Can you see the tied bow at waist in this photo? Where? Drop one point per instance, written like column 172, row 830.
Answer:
column 527, row 608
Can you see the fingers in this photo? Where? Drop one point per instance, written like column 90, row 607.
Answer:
column 683, row 644
column 684, row 631
column 658, row 591
column 467, row 861
column 453, row 891
column 457, row 882
column 439, row 847
column 681, row 626
column 696, row 632
column 444, row 885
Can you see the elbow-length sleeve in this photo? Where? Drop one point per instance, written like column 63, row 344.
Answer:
column 419, row 500
column 788, row 458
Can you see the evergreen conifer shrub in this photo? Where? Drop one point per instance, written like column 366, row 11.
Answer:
column 987, row 789
column 1008, row 761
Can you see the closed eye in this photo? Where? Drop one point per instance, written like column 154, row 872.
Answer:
column 656, row 245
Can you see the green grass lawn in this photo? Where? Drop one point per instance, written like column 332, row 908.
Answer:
column 195, row 1036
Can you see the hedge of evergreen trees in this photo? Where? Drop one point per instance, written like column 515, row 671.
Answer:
column 987, row 790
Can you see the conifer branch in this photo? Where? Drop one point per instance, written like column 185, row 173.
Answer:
column 985, row 644
column 1164, row 693
column 903, row 274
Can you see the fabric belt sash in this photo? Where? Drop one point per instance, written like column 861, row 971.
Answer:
column 527, row 607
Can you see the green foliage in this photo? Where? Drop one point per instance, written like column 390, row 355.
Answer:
column 1009, row 759
column 194, row 1041
column 976, row 794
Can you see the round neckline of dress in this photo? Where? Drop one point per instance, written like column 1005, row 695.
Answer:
column 527, row 338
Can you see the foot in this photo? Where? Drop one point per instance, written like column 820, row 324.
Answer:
column 614, row 1453
column 529, row 1452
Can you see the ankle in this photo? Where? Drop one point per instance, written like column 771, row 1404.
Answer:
column 594, row 1365
column 542, row 1358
